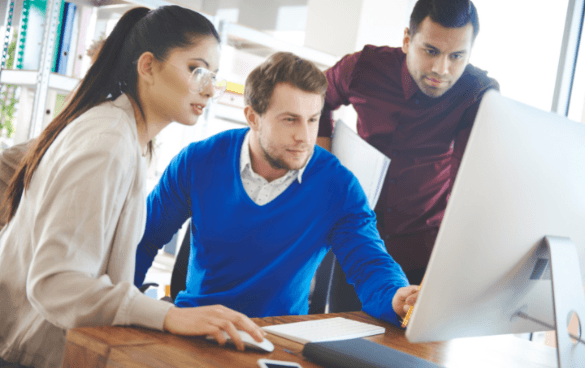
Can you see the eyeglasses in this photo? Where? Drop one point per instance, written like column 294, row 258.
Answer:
column 202, row 78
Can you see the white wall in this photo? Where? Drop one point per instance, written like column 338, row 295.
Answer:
column 332, row 25
column 383, row 22
column 259, row 14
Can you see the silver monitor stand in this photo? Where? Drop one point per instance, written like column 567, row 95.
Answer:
column 568, row 298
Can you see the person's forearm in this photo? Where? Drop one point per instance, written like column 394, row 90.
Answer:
column 145, row 254
column 73, row 299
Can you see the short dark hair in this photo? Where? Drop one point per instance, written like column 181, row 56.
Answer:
column 282, row 67
column 448, row 13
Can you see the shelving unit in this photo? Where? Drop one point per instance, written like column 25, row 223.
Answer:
column 29, row 78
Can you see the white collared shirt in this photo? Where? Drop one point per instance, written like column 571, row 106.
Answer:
column 258, row 188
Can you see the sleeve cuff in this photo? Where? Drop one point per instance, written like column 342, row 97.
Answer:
column 148, row 312
column 385, row 312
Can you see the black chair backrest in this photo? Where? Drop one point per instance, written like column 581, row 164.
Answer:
column 330, row 292
column 341, row 296
column 319, row 294
column 179, row 275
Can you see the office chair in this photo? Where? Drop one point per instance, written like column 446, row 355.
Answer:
column 331, row 293
column 342, row 296
column 320, row 285
column 179, row 275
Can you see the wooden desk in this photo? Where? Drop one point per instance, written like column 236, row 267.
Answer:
column 138, row 347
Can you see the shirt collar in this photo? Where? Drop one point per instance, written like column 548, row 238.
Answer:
column 245, row 160
column 408, row 84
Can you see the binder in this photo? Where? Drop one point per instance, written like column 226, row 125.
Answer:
column 21, row 37
column 74, row 42
column 69, row 10
column 83, row 14
column 28, row 50
column 361, row 353
column 57, row 40
column 31, row 35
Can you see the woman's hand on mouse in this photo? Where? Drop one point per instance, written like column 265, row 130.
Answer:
column 211, row 320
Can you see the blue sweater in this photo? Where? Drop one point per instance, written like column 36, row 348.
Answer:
column 260, row 260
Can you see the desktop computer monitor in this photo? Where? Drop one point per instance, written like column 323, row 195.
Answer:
column 522, row 177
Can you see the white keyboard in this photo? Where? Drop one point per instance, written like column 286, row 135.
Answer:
column 329, row 329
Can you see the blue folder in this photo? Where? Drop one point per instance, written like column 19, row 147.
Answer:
column 65, row 40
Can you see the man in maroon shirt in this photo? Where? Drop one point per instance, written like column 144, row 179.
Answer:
column 416, row 104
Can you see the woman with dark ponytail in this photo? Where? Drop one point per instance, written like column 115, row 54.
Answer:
column 76, row 206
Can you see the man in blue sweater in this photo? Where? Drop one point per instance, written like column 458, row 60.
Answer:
column 266, row 204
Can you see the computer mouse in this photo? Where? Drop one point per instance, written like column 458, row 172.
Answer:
column 249, row 342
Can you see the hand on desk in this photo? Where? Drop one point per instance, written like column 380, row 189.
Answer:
column 211, row 320
column 404, row 298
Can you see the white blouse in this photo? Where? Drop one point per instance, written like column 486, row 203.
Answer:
column 67, row 257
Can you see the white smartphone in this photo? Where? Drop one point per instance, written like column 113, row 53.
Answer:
column 269, row 363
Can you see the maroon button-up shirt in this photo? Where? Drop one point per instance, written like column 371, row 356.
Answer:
column 424, row 138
